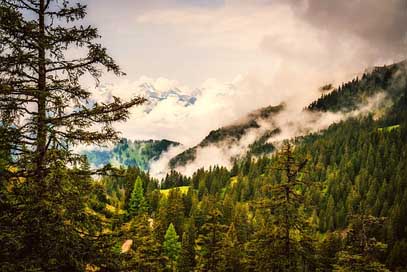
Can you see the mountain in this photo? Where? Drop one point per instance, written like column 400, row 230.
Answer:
column 388, row 79
column 231, row 135
column 130, row 153
column 154, row 96
column 385, row 80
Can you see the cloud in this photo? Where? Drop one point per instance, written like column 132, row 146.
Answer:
column 217, row 104
column 292, row 122
column 159, row 167
column 381, row 23
column 293, row 46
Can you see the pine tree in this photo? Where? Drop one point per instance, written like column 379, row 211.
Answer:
column 47, row 112
column 287, row 226
column 137, row 203
column 146, row 251
column 330, row 214
column 328, row 249
column 171, row 246
column 209, row 243
column 363, row 249
column 187, row 261
column 41, row 84
column 232, row 251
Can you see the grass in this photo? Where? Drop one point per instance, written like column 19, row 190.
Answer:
column 183, row 189
column 113, row 209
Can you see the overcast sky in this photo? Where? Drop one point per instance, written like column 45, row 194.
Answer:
column 241, row 54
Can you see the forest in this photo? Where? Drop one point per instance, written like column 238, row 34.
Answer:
column 334, row 200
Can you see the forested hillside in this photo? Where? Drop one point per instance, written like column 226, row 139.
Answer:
column 230, row 135
column 330, row 201
column 388, row 79
column 130, row 153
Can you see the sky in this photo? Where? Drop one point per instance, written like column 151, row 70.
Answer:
column 235, row 56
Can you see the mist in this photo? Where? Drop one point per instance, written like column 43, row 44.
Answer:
column 292, row 122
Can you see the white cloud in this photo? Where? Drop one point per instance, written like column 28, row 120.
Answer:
column 217, row 104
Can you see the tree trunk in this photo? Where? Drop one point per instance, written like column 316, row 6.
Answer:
column 41, row 98
column 287, row 228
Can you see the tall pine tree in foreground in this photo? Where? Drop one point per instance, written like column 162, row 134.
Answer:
column 145, row 253
column 45, row 222
column 283, row 238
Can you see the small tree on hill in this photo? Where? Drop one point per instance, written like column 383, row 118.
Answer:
column 137, row 204
column 171, row 245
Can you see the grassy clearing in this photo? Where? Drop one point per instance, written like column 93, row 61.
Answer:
column 389, row 128
column 183, row 189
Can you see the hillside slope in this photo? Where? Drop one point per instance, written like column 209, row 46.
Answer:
column 231, row 135
column 386, row 80
column 130, row 153
column 389, row 79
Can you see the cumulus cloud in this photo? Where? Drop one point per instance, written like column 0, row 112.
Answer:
column 291, row 46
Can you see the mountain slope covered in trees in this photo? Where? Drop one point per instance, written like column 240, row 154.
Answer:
column 231, row 135
column 386, row 80
column 130, row 153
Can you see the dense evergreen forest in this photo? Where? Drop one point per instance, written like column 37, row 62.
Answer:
column 335, row 200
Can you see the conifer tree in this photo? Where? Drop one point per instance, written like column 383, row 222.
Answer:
column 186, row 260
column 232, row 251
column 45, row 113
column 137, row 203
column 209, row 242
column 288, row 226
column 146, row 251
column 363, row 249
column 41, row 99
column 171, row 246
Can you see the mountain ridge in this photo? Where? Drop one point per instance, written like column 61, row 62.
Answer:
column 228, row 135
column 345, row 98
